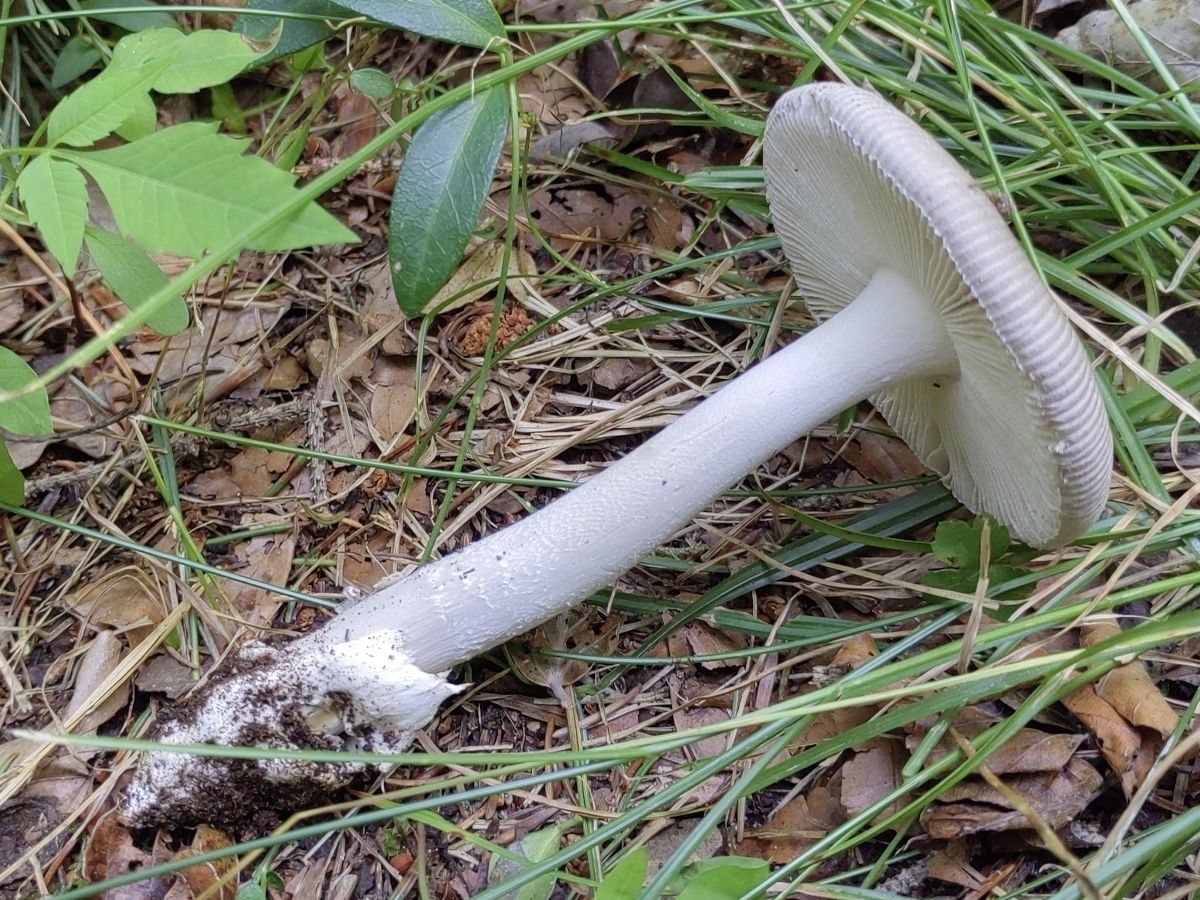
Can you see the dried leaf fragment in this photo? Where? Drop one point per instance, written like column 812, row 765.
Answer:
column 1172, row 28
column 974, row 806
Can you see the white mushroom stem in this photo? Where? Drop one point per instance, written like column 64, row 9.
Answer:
column 375, row 673
column 517, row 578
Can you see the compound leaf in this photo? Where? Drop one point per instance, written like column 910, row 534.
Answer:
column 12, row 482
column 135, row 278
column 196, row 60
column 187, row 190
column 55, row 197
column 26, row 413
column 97, row 108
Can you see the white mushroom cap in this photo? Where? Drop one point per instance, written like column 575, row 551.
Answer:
column 856, row 187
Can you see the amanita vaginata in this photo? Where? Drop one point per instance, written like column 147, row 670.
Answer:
column 930, row 309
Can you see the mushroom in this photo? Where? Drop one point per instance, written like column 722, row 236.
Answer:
column 929, row 308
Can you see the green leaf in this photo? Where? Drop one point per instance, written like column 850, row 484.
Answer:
column 958, row 543
column 130, row 21
column 251, row 890
column 77, row 56
column 197, row 60
column 186, row 190
column 441, row 187
column 95, row 109
column 624, row 881
column 12, row 482
column 470, row 22
column 28, row 413
column 723, row 878
column 958, row 580
column 282, row 37
column 134, row 278
column 372, row 82
column 55, row 197
column 141, row 122
column 539, row 846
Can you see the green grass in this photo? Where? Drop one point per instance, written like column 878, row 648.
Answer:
column 1100, row 171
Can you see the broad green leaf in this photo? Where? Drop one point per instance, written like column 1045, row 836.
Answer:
column 30, row 412
column 55, row 196
column 282, row 37
column 134, row 278
column 197, row 60
column 470, row 22
column 537, row 846
column 724, row 878
column 625, row 880
column 141, row 122
column 958, row 543
column 186, row 190
column 76, row 57
column 12, row 482
column 97, row 108
column 372, row 82
column 153, row 17
column 251, row 890
column 441, row 187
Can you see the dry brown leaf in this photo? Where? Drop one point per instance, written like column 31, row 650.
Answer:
column 164, row 674
column 126, row 600
column 358, row 118
column 973, row 806
column 615, row 373
column 579, row 630
column 110, row 852
column 701, row 639
column 826, row 725
column 12, row 306
column 704, row 748
column 60, row 788
column 1129, row 689
column 952, row 864
column 393, row 386
column 205, row 876
column 479, row 275
column 216, row 344
column 268, row 558
column 99, row 659
column 794, row 827
column 308, row 883
column 870, row 774
column 879, row 458
column 75, row 412
column 254, row 470
column 362, row 564
column 1119, row 742
column 348, row 360
column 1172, row 28
column 565, row 215
column 854, row 652
column 283, row 373
column 1029, row 750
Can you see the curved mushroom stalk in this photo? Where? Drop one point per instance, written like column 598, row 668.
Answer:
column 370, row 677
column 515, row 579
column 931, row 310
